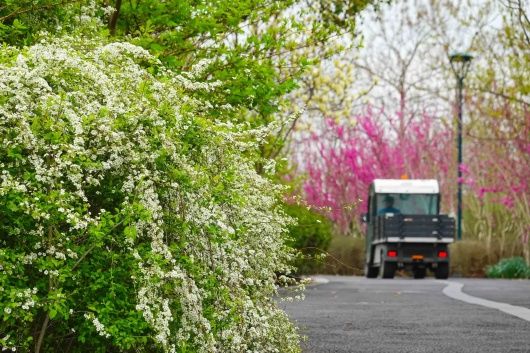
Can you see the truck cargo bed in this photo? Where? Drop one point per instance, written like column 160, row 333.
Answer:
column 414, row 228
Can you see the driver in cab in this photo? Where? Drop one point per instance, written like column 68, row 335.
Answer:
column 389, row 206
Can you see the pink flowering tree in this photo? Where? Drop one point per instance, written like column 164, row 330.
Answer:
column 498, row 139
column 344, row 159
column 499, row 211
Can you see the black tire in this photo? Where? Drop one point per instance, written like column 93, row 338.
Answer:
column 388, row 269
column 371, row 271
column 442, row 271
column 419, row 273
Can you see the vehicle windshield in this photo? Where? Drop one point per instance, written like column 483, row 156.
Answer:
column 412, row 204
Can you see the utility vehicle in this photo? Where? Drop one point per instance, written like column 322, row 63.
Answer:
column 404, row 229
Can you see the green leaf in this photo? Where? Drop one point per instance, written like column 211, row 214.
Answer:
column 130, row 232
column 52, row 313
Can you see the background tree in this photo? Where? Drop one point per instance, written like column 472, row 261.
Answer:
column 257, row 48
column 499, row 129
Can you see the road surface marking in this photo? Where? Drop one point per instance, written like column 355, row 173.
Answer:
column 454, row 290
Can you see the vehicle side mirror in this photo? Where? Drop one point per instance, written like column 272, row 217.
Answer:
column 364, row 218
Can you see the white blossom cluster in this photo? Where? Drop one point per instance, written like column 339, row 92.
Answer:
column 7, row 344
column 100, row 328
column 76, row 115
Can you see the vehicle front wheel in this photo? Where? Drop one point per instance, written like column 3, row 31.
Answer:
column 388, row 269
column 371, row 271
column 442, row 271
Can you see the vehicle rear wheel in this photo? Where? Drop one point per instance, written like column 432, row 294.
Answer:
column 419, row 272
column 388, row 269
column 371, row 271
column 442, row 271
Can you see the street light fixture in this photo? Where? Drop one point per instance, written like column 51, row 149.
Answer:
column 460, row 63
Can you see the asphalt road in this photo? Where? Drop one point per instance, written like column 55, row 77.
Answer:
column 354, row 314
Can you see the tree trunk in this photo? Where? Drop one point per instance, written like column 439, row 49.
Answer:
column 114, row 18
column 38, row 345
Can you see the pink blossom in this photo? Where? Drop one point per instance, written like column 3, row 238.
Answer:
column 482, row 191
column 340, row 131
column 507, row 201
column 464, row 168
column 330, row 122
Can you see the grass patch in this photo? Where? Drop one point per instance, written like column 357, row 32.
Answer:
column 469, row 258
column 345, row 256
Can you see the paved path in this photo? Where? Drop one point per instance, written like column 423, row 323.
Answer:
column 354, row 314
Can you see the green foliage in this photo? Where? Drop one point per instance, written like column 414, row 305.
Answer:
column 514, row 267
column 310, row 235
column 257, row 48
column 23, row 21
column 256, row 45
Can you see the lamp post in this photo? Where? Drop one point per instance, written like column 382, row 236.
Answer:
column 460, row 63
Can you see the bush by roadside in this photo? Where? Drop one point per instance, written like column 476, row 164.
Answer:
column 514, row 267
column 130, row 220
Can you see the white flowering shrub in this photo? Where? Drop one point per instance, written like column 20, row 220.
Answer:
column 129, row 220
